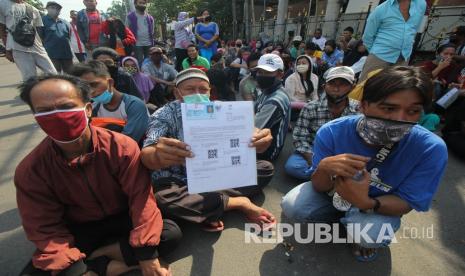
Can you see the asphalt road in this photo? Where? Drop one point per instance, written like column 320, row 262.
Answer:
column 227, row 253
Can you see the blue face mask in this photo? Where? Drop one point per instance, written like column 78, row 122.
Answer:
column 196, row 98
column 103, row 98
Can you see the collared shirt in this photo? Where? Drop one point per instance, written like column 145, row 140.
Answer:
column 387, row 35
column 165, row 71
column 336, row 57
column 56, row 35
column 166, row 122
column 312, row 117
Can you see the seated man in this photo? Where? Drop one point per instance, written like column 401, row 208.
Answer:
column 334, row 103
column 123, row 80
column 378, row 166
column 248, row 84
column 166, row 153
column 273, row 106
column 84, row 197
column 161, row 74
column 111, row 103
column 194, row 60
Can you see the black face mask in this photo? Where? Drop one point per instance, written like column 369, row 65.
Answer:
column 453, row 39
column 337, row 99
column 253, row 74
column 238, row 45
column 208, row 18
column 141, row 8
column 265, row 82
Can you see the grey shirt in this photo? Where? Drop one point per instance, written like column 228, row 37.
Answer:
column 143, row 36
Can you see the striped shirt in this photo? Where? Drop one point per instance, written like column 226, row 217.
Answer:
column 182, row 33
column 272, row 111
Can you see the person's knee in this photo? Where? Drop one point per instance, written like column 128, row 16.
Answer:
column 265, row 172
column 296, row 169
column 171, row 232
column 371, row 230
column 291, row 203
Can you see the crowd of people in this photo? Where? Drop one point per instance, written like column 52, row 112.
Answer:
column 102, row 193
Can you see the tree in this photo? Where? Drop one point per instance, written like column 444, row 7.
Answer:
column 37, row 4
column 119, row 8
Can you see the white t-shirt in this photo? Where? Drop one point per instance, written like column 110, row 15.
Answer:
column 10, row 14
column 243, row 72
column 320, row 42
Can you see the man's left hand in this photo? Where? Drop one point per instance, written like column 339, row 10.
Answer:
column 355, row 192
column 261, row 139
column 154, row 268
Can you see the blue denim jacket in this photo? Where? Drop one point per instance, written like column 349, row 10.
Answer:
column 83, row 28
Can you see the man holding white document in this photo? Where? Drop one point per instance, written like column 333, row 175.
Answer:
column 165, row 152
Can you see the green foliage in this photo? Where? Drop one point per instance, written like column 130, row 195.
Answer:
column 37, row 4
column 119, row 8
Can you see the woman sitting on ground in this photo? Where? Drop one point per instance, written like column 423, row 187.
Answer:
column 302, row 85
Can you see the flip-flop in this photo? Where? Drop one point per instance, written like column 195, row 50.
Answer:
column 261, row 220
column 364, row 259
column 209, row 227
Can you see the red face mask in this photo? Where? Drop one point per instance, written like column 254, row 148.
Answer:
column 63, row 126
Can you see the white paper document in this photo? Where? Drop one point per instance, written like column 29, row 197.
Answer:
column 219, row 134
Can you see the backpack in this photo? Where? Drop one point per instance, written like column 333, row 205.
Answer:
column 24, row 32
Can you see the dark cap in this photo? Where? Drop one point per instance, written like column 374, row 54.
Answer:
column 53, row 3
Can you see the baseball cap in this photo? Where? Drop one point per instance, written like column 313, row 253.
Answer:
column 297, row 38
column 191, row 73
column 270, row 63
column 342, row 72
column 53, row 3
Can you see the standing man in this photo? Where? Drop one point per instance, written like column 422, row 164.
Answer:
column 318, row 39
column 56, row 35
column 77, row 46
column 89, row 26
column 25, row 50
column 390, row 33
column 141, row 25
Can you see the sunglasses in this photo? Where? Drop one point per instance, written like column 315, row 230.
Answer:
column 156, row 53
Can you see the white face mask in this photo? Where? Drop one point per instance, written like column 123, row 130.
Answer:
column 53, row 12
column 302, row 68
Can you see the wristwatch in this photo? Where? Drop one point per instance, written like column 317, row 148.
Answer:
column 374, row 209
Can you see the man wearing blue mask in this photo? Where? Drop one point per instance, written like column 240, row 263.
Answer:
column 111, row 103
column 369, row 170
column 165, row 153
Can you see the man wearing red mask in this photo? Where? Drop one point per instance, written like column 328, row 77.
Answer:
column 84, row 197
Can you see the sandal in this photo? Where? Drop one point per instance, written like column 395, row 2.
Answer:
column 359, row 257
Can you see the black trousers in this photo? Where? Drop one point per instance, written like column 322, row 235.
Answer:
column 114, row 229
column 181, row 54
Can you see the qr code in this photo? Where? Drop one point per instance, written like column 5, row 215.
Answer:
column 212, row 154
column 234, row 143
column 235, row 160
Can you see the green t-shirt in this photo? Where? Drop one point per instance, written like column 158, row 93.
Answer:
column 200, row 61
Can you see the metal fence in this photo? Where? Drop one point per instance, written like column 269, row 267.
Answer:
column 441, row 21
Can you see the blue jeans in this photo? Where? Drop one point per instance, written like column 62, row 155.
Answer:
column 297, row 167
column 304, row 204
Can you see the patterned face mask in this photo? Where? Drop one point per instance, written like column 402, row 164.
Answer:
column 378, row 131
column 130, row 69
